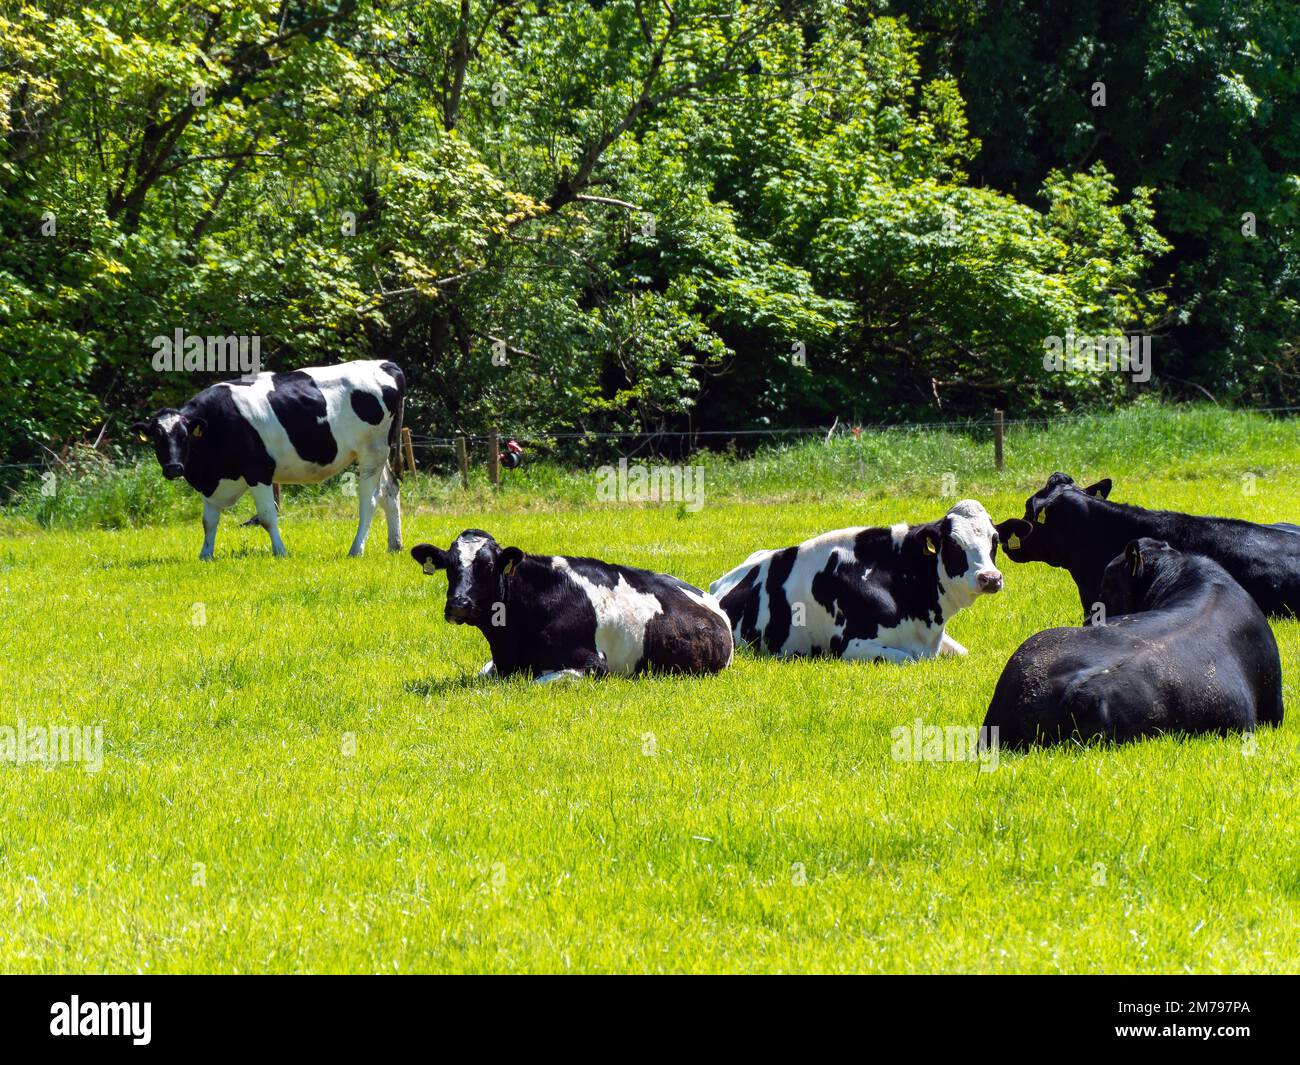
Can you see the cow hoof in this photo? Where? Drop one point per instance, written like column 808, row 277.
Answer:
column 205, row 558
column 356, row 552
column 395, row 546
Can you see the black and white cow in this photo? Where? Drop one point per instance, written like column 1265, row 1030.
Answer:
column 553, row 616
column 1081, row 530
column 301, row 427
column 867, row 593
column 1184, row 649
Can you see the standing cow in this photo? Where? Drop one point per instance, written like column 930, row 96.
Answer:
column 1081, row 530
column 867, row 594
column 301, row 427
column 553, row 616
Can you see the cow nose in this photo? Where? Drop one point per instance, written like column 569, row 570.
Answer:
column 459, row 608
column 989, row 581
column 173, row 470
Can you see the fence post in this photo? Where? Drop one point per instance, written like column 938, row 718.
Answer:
column 462, row 458
column 494, row 457
column 408, row 449
column 999, row 428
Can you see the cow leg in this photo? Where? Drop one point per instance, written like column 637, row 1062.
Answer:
column 874, row 651
column 560, row 674
column 211, row 518
column 392, row 504
column 367, row 489
column 581, row 664
column 949, row 646
column 268, row 517
column 489, row 670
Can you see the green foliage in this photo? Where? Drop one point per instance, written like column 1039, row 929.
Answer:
column 625, row 215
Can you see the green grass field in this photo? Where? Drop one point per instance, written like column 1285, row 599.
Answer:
column 312, row 779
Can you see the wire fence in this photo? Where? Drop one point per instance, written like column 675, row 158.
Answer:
column 637, row 440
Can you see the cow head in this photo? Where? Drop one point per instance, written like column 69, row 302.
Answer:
column 964, row 544
column 1056, row 514
column 1129, row 575
column 477, row 568
column 172, row 434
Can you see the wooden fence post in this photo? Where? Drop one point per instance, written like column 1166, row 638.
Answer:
column 408, row 449
column 999, row 429
column 462, row 458
column 494, row 457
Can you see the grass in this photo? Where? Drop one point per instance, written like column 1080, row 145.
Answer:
column 312, row 780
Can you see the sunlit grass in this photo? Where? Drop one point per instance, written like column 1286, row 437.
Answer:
column 312, row 779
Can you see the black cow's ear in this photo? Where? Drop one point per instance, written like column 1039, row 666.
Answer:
column 1133, row 553
column 1012, row 531
column 510, row 558
column 429, row 557
column 1101, row 489
column 141, row 430
column 197, row 425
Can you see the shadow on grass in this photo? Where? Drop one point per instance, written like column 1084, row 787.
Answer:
column 427, row 687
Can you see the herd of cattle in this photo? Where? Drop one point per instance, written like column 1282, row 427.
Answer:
column 1175, row 636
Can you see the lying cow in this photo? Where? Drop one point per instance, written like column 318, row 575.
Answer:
column 866, row 594
column 552, row 616
column 1184, row 649
column 301, row 427
column 1080, row 530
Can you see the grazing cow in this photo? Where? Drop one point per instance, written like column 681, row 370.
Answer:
column 1080, row 530
column 553, row 616
column 301, row 427
column 867, row 594
column 1184, row 649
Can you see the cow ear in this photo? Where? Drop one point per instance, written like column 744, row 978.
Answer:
column 141, row 430
column 430, row 558
column 1012, row 531
column 1133, row 553
column 510, row 558
column 197, row 425
column 1101, row 489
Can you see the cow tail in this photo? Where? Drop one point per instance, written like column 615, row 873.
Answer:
column 395, row 440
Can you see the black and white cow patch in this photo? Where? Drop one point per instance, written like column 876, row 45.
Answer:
column 866, row 593
column 300, row 427
column 555, row 615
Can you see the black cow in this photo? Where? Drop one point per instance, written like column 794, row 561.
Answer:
column 1080, row 530
column 551, row 616
column 1184, row 649
column 301, row 427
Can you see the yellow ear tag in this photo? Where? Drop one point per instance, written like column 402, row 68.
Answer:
column 1013, row 542
column 509, row 569
column 1042, row 516
column 429, row 566
column 143, row 437
column 930, row 549
column 198, row 431
column 1137, row 561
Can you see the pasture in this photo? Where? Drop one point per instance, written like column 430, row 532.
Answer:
column 301, row 772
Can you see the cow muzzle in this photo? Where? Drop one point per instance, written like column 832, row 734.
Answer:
column 989, row 581
column 459, row 610
column 173, row 470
